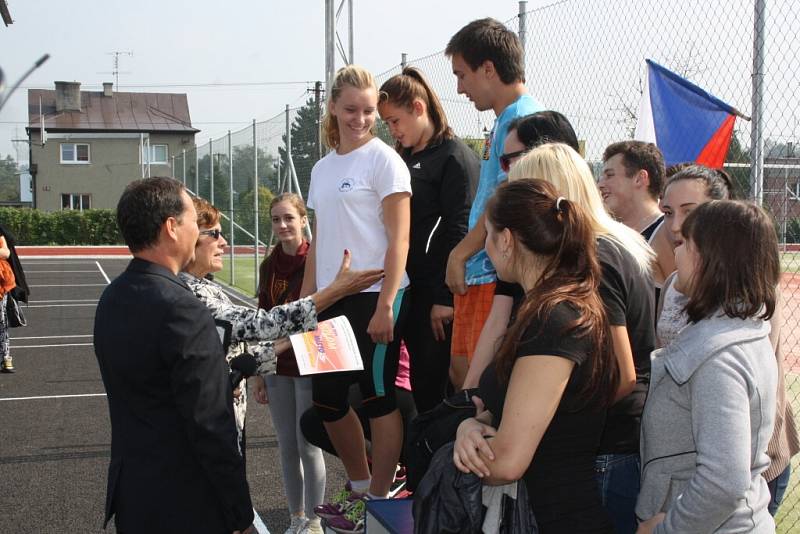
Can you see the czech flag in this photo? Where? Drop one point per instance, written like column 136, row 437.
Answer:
column 683, row 120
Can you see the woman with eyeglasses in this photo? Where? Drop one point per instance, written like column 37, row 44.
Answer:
column 267, row 330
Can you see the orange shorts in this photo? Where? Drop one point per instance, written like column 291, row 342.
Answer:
column 471, row 311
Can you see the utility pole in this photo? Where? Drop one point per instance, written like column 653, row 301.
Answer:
column 318, row 105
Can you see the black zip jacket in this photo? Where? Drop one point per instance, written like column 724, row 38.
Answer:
column 443, row 181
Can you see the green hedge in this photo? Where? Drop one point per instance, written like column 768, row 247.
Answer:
column 68, row 227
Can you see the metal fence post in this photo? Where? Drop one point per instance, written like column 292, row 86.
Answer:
column 255, row 203
column 196, row 171
column 287, row 184
column 183, row 168
column 757, row 128
column 403, row 60
column 211, row 165
column 330, row 45
column 232, row 243
column 523, row 27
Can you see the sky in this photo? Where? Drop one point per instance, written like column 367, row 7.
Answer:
column 203, row 41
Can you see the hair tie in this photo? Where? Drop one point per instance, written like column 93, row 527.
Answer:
column 558, row 204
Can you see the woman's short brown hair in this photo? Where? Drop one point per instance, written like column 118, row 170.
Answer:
column 739, row 265
column 207, row 214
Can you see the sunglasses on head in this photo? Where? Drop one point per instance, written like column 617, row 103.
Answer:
column 505, row 159
column 216, row 233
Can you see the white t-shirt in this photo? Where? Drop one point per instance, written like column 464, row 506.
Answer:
column 346, row 192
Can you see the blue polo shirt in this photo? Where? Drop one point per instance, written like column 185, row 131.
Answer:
column 479, row 269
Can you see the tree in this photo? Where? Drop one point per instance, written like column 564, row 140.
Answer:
column 305, row 148
column 246, row 217
column 9, row 180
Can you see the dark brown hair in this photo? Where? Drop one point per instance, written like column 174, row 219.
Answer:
column 639, row 155
column 489, row 40
column 401, row 91
column 557, row 231
column 739, row 265
column 718, row 183
column 144, row 207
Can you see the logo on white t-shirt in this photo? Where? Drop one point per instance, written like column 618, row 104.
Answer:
column 346, row 185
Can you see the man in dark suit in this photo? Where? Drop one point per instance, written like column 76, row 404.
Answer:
column 175, row 463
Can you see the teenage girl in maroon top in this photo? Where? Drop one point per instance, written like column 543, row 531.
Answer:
column 287, row 393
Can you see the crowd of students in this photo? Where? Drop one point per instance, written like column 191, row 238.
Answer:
column 623, row 336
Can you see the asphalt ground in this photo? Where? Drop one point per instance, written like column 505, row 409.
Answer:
column 55, row 432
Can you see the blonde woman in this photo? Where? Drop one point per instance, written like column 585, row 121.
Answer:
column 361, row 196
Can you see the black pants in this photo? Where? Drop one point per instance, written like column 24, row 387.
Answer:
column 430, row 359
column 314, row 430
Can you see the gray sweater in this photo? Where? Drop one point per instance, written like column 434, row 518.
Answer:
column 705, row 428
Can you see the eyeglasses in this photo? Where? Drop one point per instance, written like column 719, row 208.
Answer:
column 216, row 233
column 505, row 159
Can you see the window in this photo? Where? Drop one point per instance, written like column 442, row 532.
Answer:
column 159, row 154
column 75, row 153
column 76, row 201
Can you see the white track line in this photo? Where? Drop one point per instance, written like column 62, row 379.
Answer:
column 53, row 337
column 102, row 272
column 69, row 285
column 33, row 272
column 53, row 397
column 58, row 305
column 17, row 347
column 261, row 528
column 62, row 300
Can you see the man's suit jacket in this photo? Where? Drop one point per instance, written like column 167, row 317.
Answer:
column 175, row 463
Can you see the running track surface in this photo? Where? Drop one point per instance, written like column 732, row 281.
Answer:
column 54, row 425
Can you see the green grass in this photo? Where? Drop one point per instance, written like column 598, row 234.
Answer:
column 790, row 262
column 788, row 519
column 244, row 274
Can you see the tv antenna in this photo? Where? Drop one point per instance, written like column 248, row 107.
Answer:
column 116, row 72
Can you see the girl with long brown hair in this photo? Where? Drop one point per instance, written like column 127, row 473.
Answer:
column 555, row 374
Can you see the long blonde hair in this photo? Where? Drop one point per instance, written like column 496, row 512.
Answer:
column 351, row 75
column 560, row 165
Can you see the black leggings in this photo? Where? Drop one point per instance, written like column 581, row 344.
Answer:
column 329, row 391
column 313, row 429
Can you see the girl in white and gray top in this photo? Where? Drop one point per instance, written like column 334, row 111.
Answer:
column 711, row 405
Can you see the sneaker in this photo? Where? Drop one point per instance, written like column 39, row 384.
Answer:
column 352, row 521
column 340, row 503
column 297, row 524
column 398, row 484
column 8, row 365
column 312, row 526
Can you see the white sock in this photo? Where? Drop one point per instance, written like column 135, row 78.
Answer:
column 360, row 486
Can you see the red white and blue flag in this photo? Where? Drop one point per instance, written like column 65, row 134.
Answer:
column 684, row 121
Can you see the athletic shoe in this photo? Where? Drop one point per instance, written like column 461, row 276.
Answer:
column 312, row 526
column 340, row 503
column 352, row 520
column 8, row 365
column 297, row 525
column 399, row 482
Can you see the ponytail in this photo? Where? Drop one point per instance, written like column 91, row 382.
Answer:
column 403, row 89
column 353, row 76
column 558, row 233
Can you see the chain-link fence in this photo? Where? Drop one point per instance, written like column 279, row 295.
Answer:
column 586, row 59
